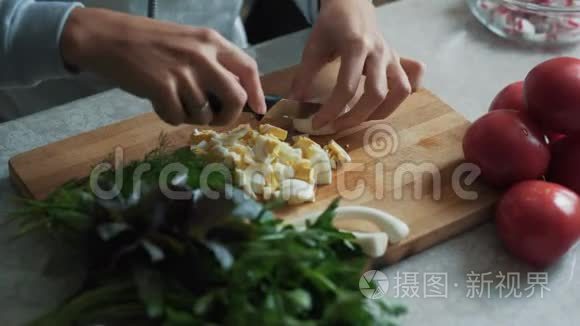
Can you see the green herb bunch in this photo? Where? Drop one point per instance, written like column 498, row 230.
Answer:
column 201, row 259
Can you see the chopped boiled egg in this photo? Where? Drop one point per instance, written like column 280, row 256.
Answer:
column 270, row 130
column 265, row 166
column 266, row 147
column 289, row 154
column 200, row 148
column 240, row 131
column 268, row 193
column 319, row 159
column 296, row 191
column 202, row 135
column 303, row 170
column 250, row 138
column 232, row 159
column 257, row 177
column 308, row 146
column 322, row 168
column 233, row 137
column 242, row 181
column 337, row 154
column 241, row 150
column 283, row 171
column 219, row 151
column 257, row 183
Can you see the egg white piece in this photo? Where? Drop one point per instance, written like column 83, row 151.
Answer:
column 373, row 244
column 304, row 125
column 322, row 168
column 296, row 191
column 396, row 229
column 338, row 155
column 283, row 171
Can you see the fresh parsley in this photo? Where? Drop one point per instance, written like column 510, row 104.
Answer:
column 151, row 260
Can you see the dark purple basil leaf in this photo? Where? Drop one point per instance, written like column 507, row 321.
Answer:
column 150, row 286
column 108, row 231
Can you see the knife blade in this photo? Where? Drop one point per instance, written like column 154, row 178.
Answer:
column 276, row 107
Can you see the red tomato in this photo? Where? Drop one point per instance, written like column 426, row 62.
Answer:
column 566, row 162
column 552, row 93
column 510, row 98
column 553, row 137
column 507, row 146
column 538, row 221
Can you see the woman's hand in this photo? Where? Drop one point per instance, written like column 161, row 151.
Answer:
column 347, row 29
column 172, row 65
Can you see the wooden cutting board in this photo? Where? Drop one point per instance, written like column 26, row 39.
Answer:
column 397, row 164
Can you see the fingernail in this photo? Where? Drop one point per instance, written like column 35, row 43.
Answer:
column 263, row 108
column 259, row 107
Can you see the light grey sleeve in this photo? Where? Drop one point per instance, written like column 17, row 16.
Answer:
column 309, row 9
column 30, row 41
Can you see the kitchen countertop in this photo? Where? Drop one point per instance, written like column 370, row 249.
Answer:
column 467, row 65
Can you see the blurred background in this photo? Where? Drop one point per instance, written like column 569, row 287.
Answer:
column 261, row 25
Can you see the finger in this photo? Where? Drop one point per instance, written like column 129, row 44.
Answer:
column 349, row 75
column 415, row 71
column 399, row 90
column 167, row 104
column 374, row 93
column 312, row 62
column 194, row 101
column 246, row 69
column 233, row 97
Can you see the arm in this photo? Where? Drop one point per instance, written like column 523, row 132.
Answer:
column 29, row 41
column 174, row 66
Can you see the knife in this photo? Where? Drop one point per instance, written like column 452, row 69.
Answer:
column 275, row 106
